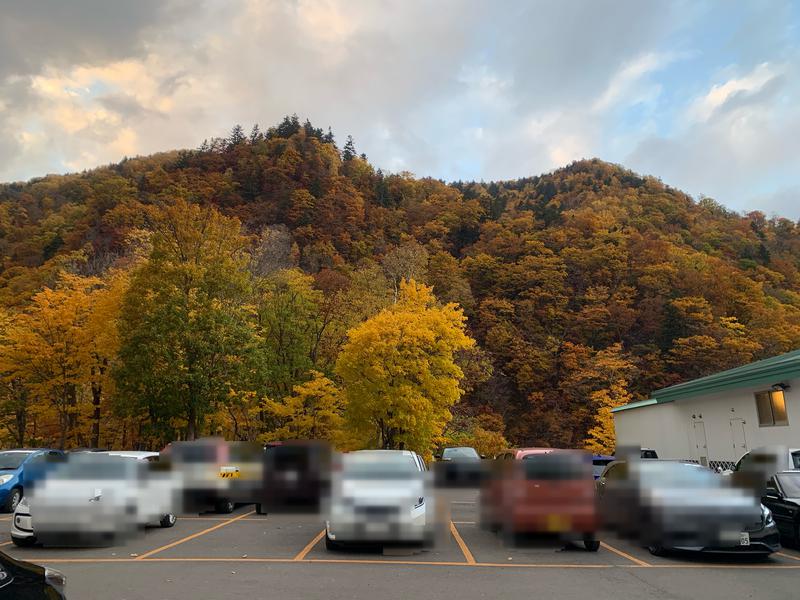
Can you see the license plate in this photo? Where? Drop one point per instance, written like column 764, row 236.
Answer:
column 744, row 539
column 557, row 523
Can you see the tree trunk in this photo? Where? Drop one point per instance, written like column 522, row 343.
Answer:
column 97, row 392
column 191, row 426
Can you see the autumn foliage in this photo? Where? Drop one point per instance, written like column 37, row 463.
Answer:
column 258, row 288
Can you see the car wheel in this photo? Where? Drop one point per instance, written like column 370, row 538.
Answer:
column 330, row 544
column 591, row 545
column 225, row 506
column 168, row 520
column 260, row 509
column 13, row 499
column 657, row 549
column 24, row 542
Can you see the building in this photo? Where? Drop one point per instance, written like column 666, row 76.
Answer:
column 716, row 419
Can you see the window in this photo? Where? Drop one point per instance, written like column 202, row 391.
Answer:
column 771, row 407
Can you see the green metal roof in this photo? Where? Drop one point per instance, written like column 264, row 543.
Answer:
column 766, row 372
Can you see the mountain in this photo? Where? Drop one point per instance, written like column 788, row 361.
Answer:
column 584, row 287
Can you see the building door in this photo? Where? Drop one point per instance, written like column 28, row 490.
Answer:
column 701, row 446
column 738, row 438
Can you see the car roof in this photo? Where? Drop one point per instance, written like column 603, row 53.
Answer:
column 384, row 452
column 140, row 454
column 523, row 452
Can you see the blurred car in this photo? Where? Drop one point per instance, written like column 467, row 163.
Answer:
column 95, row 498
column 207, row 468
column 782, row 497
column 20, row 580
column 296, row 476
column 599, row 463
column 459, row 467
column 542, row 491
column 674, row 505
column 379, row 496
column 21, row 468
column 768, row 460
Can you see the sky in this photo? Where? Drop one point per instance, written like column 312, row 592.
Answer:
column 704, row 95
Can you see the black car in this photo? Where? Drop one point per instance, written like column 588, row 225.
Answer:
column 296, row 476
column 674, row 505
column 460, row 466
column 782, row 497
column 20, row 580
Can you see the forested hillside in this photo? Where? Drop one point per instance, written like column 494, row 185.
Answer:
column 584, row 288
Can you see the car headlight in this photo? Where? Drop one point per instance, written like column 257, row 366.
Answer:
column 766, row 516
column 6, row 478
column 55, row 578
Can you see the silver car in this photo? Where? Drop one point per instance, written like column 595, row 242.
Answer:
column 379, row 496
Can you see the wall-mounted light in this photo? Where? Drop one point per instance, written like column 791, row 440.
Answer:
column 780, row 387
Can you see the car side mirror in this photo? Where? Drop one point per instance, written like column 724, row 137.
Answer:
column 437, row 456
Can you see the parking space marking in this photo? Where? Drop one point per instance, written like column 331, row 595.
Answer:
column 784, row 555
column 9, row 543
column 461, row 544
column 309, row 546
column 413, row 563
column 193, row 536
column 618, row 552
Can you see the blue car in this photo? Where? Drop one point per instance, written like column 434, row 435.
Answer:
column 19, row 469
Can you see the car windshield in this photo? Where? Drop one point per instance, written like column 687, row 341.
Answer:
column 460, row 453
column 379, row 466
column 12, row 460
column 98, row 468
column 790, row 483
column 676, row 474
column 557, row 466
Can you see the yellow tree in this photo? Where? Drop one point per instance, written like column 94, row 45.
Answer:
column 399, row 374
column 610, row 370
column 312, row 412
column 44, row 350
column 99, row 345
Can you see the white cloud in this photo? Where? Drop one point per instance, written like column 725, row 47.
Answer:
column 624, row 87
column 703, row 108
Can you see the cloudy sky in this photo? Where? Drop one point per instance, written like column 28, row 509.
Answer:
column 704, row 95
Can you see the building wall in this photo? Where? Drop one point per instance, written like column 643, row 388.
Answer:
column 728, row 419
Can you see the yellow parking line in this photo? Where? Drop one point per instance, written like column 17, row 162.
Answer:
column 633, row 559
column 302, row 554
column 461, row 544
column 416, row 562
column 784, row 555
column 193, row 536
column 6, row 544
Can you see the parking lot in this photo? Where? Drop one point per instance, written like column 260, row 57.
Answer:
column 246, row 555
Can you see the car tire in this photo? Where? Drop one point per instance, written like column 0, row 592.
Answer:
column 591, row 544
column 656, row 549
column 224, row 507
column 23, row 542
column 14, row 496
column 168, row 521
column 331, row 545
column 260, row 509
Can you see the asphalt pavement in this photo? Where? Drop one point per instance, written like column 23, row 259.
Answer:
column 245, row 555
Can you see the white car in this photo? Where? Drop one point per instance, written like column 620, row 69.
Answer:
column 379, row 496
column 96, row 496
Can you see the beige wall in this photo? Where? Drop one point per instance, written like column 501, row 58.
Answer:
column 729, row 420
